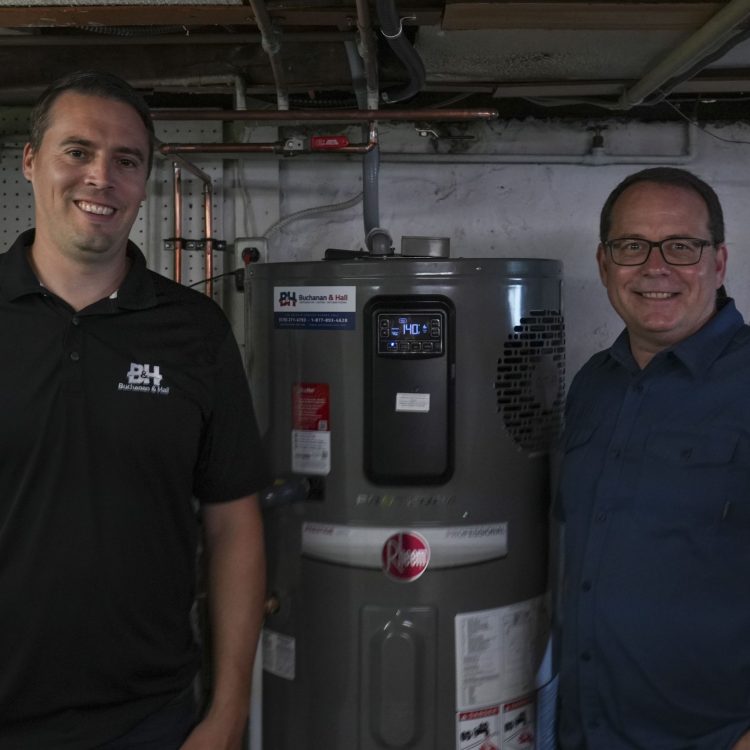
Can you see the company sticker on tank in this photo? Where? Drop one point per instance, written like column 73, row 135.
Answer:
column 329, row 308
column 405, row 556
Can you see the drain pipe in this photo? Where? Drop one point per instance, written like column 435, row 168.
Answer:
column 715, row 31
column 377, row 239
column 272, row 47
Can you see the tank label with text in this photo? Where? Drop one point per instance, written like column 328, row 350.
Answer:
column 332, row 308
column 311, row 429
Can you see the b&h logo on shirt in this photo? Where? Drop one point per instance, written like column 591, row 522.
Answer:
column 145, row 378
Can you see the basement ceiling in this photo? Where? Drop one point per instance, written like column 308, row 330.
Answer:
column 625, row 59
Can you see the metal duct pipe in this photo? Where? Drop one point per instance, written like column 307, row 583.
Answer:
column 272, row 47
column 715, row 31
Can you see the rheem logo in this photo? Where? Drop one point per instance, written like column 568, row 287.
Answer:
column 405, row 556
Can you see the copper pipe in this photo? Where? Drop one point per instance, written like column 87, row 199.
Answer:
column 277, row 147
column 169, row 149
column 208, row 213
column 331, row 115
column 209, row 246
column 177, row 224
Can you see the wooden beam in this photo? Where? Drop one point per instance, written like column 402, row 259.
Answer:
column 194, row 15
column 617, row 16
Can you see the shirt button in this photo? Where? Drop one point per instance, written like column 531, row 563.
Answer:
column 75, row 321
column 593, row 724
column 75, row 356
column 638, row 389
column 615, row 453
column 586, row 656
column 586, row 586
column 600, row 517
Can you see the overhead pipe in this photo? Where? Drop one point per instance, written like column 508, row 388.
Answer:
column 331, row 115
column 715, row 31
column 272, row 47
column 277, row 147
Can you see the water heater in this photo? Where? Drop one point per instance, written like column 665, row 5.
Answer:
column 407, row 406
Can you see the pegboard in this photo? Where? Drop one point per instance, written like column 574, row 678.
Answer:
column 155, row 220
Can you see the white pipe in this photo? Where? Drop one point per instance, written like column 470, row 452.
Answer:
column 714, row 32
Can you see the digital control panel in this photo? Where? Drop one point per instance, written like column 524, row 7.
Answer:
column 412, row 334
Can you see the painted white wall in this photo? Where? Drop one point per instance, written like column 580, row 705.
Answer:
column 496, row 209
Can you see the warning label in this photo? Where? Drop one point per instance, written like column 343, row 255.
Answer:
column 311, row 429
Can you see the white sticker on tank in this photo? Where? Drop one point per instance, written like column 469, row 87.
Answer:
column 414, row 402
column 311, row 452
column 279, row 654
column 498, row 652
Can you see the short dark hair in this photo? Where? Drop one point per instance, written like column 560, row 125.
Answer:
column 90, row 83
column 668, row 176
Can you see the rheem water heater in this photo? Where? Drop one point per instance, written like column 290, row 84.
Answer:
column 415, row 400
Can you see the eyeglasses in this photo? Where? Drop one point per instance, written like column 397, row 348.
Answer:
column 677, row 251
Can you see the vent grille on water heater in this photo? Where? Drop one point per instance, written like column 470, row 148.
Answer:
column 530, row 381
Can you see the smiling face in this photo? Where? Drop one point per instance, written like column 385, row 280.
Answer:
column 88, row 176
column 661, row 304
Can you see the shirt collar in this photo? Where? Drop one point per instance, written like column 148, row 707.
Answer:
column 17, row 277
column 697, row 352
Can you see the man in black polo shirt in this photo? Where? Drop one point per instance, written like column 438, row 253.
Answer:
column 122, row 401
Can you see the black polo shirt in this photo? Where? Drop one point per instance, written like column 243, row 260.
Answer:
column 112, row 420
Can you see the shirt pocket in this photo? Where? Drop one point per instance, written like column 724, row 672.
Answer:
column 687, row 476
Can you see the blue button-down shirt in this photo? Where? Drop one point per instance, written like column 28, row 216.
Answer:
column 654, row 493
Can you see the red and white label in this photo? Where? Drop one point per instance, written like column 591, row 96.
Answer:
column 311, row 428
column 406, row 556
column 311, row 406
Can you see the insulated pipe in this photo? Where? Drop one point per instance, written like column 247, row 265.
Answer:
column 272, row 47
column 331, row 115
column 368, row 52
column 370, row 199
column 391, row 27
column 715, row 31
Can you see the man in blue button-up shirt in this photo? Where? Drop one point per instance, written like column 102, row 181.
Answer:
column 654, row 490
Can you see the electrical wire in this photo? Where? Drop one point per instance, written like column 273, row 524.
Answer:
column 213, row 278
column 314, row 211
column 702, row 128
